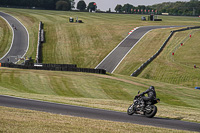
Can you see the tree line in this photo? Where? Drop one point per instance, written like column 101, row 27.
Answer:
column 173, row 8
column 65, row 5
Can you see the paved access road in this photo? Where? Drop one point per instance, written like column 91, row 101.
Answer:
column 112, row 60
column 95, row 113
column 20, row 42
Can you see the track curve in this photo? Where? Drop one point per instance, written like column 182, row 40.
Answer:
column 19, row 48
column 20, row 42
column 114, row 58
column 95, row 113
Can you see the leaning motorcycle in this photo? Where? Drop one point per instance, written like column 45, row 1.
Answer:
column 149, row 110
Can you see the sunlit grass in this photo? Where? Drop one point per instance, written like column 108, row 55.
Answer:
column 114, row 92
column 177, row 69
column 25, row 121
column 86, row 45
column 5, row 37
column 83, row 44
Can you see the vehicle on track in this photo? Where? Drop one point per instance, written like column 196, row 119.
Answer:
column 149, row 110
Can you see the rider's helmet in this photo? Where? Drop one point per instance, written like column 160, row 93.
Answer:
column 152, row 88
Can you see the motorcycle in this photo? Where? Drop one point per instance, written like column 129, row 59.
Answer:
column 149, row 110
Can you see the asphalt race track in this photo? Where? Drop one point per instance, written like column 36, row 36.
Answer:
column 114, row 58
column 20, row 42
column 95, row 113
column 19, row 47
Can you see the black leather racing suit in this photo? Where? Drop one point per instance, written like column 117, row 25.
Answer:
column 151, row 95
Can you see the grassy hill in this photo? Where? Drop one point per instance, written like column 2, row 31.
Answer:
column 83, row 44
column 86, row 45
column 5, row 37
column 177, row 69
column 113, row 92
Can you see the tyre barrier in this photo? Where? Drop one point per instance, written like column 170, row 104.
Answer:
column 143, row 66
column 60, row 65
column 55, row 67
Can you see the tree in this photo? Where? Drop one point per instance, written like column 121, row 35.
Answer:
column 63, row 5
column 109, row 10
column 194, row 0
column 127, row 8
column 92, row 6
column 49, row 4
column 118, row 8
column 72, row 3
column 81, row 5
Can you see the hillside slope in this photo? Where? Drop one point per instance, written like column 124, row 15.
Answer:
column 177, row 69
column 86, row 45
column 113, row 92
column 83, row 44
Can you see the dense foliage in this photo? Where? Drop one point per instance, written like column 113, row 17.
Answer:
column 173, row 8
column 63, row 5
column 118, row 8
column 45, row 4
column 81, row 5
column 179, row 8
column 92, row 6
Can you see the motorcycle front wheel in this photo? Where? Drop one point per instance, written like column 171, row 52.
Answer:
column 150, row 111
column 130, row 110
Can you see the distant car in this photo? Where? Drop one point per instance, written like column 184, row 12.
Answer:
column 143, row 18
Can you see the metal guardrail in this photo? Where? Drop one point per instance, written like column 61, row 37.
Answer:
column 40, row 40
column 142, row 67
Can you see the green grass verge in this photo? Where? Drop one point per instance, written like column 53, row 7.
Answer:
column 86, row 45
column 5, row 37
column 144, row 50
column 25, row 121
column 178, row 69
column 83, row 44
column 98, row 91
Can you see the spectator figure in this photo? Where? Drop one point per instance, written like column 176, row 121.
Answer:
column 195, row 66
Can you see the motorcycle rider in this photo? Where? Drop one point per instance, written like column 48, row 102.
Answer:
column 151, row 95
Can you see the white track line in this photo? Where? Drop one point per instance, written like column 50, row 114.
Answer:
column 130, row 51
column 115, row 48
column 14, row 35
column 12, row 38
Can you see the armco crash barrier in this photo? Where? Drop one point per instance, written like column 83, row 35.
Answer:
column 142, row 67
column 41, row 39
column 55, row 67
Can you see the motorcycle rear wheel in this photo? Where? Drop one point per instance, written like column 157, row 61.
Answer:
column 151, row 112
column 130, row 110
